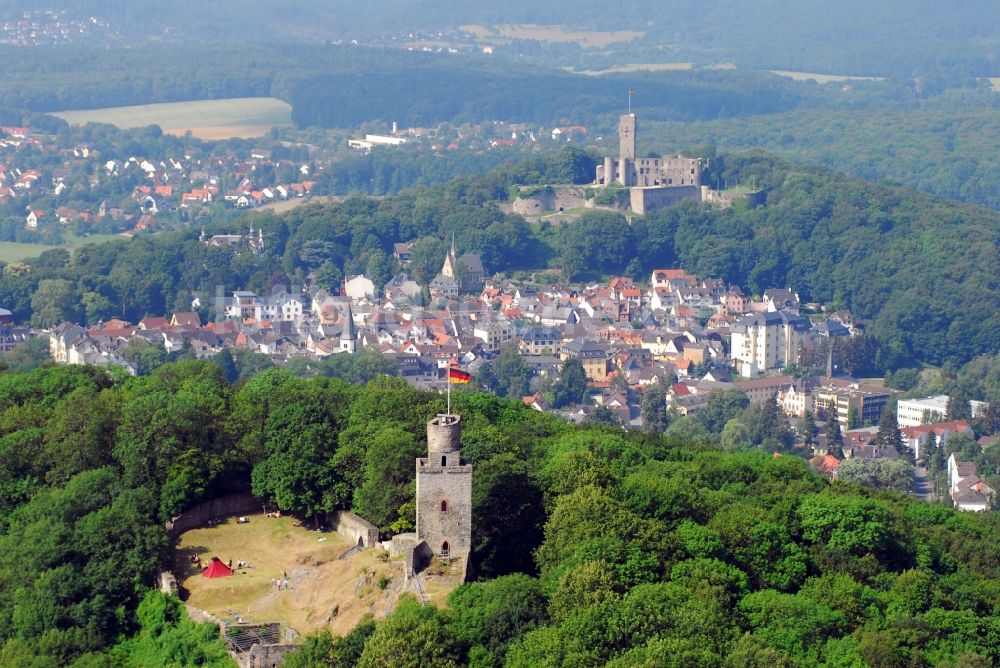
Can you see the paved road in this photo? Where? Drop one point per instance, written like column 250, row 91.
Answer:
column 921, row 484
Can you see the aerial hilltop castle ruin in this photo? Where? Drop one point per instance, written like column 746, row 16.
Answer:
column 630, row 184
column 653, row 183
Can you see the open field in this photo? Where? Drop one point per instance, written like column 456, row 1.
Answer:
column 326, row 591
column 12, row 251
column 282, row 206
column 587, row 39
column 822, row 78
column 206, row 119
column 635, row 67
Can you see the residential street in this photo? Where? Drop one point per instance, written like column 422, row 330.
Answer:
column 921, row 484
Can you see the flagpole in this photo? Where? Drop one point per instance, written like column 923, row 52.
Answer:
column 448, row 380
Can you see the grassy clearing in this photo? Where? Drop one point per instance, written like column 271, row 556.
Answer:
column 321, row 582
column 282, row 206
column 587, row 39
column 636, row 67
column 207, row 119
column 12, row 251
column 822, row 78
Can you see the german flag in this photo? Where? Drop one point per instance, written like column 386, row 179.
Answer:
column 456, row 375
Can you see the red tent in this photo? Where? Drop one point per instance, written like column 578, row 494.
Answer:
column 216, row 569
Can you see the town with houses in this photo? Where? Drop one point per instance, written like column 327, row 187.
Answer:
column 49, row 27
column 693, row 336
column 52, row 183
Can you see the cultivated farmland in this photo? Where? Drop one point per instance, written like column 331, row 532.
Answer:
column 206, row 119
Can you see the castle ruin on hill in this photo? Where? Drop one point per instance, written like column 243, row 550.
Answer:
column 444, row 504
column 630, row 184
column 444, row 491
column 653, row 183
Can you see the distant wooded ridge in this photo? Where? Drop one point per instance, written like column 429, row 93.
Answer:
column 880, row 38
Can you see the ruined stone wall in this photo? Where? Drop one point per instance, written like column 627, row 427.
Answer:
column 725, row 200
column 358, row 530
column 400, row 543
column 559, row 198
column 235, row 504
column 266, row 656
column 646, row 200
column 168, row 583
column 417, row 558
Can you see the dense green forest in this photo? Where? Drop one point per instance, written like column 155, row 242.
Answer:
column 530, row 95
column 345, row 86
column 943, row 149
column 878, row 38
column 921, row 270
column 591, row 545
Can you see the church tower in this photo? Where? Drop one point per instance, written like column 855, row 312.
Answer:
column 348, row 335
column 444, row 491
column 450, row 261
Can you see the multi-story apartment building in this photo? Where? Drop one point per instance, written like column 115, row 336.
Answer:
column 834, row 400
column 928, row 410
column 766, row 341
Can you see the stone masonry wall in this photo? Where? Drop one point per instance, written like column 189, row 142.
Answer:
column 561, row 198
column 358, row 530
column 199, row 515
column 267, row 656
column 646, row 200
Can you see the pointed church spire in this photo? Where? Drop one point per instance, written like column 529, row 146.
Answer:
column 450, row 260
column 348, row 335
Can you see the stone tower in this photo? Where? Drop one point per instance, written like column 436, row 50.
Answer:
column 444, row 491
column 626, row 150
column 626, row 137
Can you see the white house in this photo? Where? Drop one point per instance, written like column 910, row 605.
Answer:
column 967, row 490
column 359, row 288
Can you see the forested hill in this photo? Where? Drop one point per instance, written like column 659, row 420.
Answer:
column 346, row 86
column 879, row 37
column 460, row 92
column 924, row 271
column 592, row 546
column 947, row 150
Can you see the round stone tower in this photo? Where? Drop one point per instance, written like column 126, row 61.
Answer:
column 444, row 491
column 444, row 434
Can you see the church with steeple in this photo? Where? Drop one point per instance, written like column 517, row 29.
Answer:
column 463, row 273
column 348, row 334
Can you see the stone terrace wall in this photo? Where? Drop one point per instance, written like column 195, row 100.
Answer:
column 360, row 531
column 199, row 515
column 266, row 656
